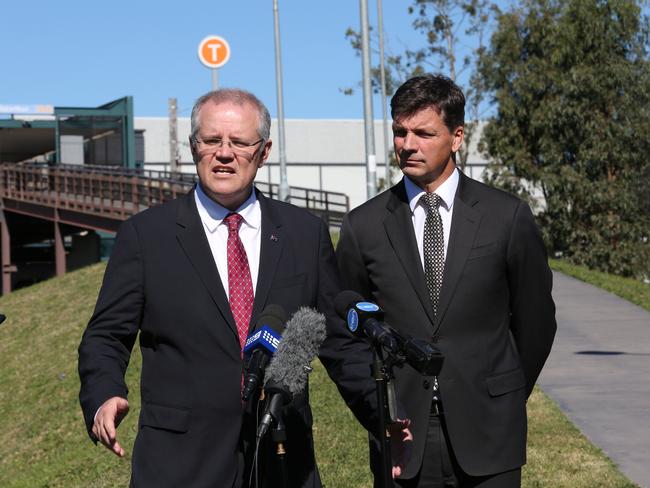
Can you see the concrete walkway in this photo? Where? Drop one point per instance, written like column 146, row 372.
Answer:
column 599, row 372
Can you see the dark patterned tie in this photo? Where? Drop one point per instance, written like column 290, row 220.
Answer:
column 434, row 248
column 240, row 285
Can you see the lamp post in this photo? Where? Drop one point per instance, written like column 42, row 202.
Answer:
column 371, row 159
column 284, row 185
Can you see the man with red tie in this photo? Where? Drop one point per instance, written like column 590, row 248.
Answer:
column 190, row 276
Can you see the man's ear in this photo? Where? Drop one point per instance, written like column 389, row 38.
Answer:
column 193, row 149
column 266, row 152
column 459, row 135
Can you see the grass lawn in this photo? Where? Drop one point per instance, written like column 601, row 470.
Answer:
column 43, row 442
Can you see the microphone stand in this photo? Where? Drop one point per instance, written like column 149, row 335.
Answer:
column 279, row 436
column 275, row 404
column 382, row 374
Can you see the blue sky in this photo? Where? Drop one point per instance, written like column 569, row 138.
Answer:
column 86, row 53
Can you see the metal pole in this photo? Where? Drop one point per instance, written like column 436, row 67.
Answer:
column 173, row 136
column 6, row 254
column 59, row 249
column 215, row 79
column 371, row 160
column 283, row 190
column 382, row 73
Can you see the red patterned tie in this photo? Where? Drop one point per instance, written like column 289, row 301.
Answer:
column 240, row 285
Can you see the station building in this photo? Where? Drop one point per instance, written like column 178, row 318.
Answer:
column 323, row 154
column 70, row 175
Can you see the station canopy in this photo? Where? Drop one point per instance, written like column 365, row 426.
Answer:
column 99, row 136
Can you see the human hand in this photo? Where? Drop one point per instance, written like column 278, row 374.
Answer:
column 108, row 417
column 401, row 444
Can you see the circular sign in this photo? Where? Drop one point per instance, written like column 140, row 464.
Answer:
column 214, row 51
column 367, row 307
column 353, row 320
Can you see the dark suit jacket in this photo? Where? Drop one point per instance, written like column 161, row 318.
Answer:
column 495, row 324
column 162, row 281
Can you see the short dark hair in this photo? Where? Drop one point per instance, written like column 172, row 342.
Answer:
column 435, row 91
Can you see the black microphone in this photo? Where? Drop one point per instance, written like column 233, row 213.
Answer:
column 364, row 319
column 260, row 345
column 289, row 368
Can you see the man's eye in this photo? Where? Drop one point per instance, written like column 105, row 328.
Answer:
column 212, row 142
column 239, row 144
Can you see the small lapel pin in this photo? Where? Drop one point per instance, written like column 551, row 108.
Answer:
column 274, row 238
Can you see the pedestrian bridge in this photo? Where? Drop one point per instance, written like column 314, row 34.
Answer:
column 75, row 198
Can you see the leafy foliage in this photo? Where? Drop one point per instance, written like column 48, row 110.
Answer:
column 441, row 23
column 572, row 82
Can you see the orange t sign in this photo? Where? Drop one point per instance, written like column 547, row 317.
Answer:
column 214, row 51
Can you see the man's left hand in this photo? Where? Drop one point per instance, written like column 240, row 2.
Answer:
column 401, row 444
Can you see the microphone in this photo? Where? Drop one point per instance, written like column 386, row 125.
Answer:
column 289, row 368
column 366, row 318
column 260, row 345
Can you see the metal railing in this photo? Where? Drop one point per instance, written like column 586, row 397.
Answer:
column 118, row 193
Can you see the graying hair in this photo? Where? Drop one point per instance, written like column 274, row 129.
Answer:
column 238, row 97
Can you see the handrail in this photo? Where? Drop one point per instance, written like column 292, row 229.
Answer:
column 119, row 193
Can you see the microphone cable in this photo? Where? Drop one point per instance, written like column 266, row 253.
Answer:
column 257, row 447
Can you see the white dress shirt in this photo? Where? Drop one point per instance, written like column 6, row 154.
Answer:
column 216, row 230
column 447, row 192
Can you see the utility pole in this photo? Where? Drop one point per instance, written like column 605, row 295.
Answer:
column 284, row 185
column 173, row 137
column 215, row 79
column 371, row 158
column 382, row 73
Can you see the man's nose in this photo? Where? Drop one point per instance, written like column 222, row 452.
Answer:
column 410, row 143
column 224, row 151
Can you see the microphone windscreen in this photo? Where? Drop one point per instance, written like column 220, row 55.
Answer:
column 290, row 366
column 343, row 300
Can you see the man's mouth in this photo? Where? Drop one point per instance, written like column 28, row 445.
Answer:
column 223, row 170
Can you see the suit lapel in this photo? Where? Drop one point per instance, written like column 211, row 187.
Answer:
column 271, row 244
column 399, row 229
column 464, row 224
column 193, row 241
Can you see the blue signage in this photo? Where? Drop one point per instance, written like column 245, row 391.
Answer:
column 353, row 320
column 367, row 307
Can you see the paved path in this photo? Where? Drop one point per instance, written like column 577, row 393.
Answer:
column 599, row 372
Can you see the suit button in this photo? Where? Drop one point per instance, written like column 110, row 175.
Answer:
column 426, row 384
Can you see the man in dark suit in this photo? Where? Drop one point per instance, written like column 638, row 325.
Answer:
column 191, row 276
column 463, row 266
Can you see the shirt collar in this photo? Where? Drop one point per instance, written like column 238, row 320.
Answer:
column 212, row 214
column 446, row 191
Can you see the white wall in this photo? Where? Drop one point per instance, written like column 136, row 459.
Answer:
column 330, row 153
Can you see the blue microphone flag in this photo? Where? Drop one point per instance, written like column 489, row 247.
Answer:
column 264, row 337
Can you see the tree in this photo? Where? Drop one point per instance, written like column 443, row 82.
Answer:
column 453, row 32
column 571, row 79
